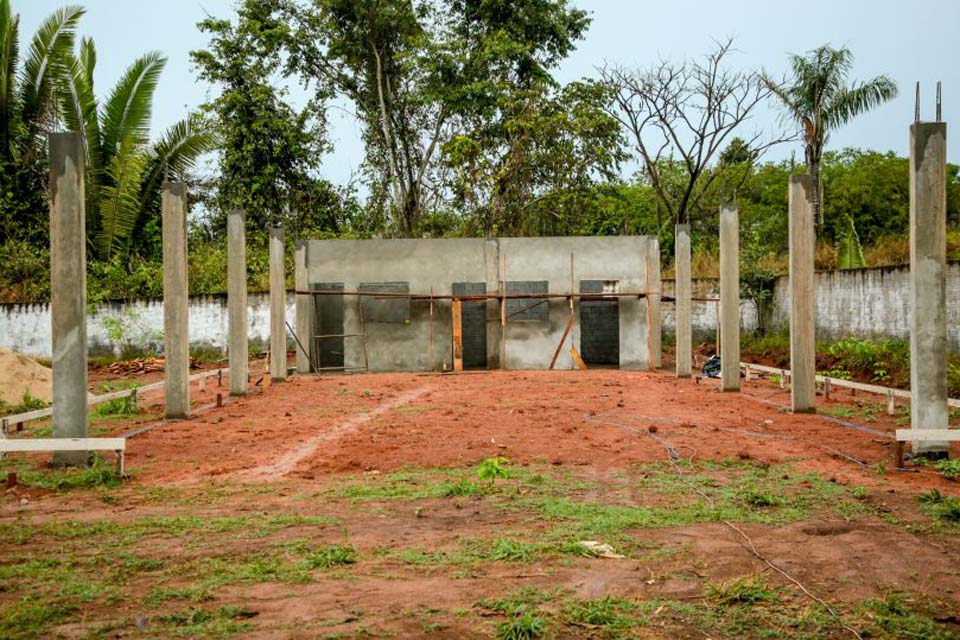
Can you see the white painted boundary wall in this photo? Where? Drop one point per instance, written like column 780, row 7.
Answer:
column 25, row 328
column 870, row 303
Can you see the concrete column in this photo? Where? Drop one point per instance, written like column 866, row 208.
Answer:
column 237, row 300
column 654, row 344
column 68, row 293
column 304, row 308
column 928, row 256
column 175, row 302
column 729, row 298
column 682, row 293
column 278, row 308
column 803, row 304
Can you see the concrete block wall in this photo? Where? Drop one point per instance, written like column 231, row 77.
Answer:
column 438, row 263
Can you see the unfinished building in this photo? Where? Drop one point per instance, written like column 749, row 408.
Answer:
column 514, row 303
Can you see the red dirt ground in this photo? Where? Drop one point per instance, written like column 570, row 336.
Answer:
column 308, row 427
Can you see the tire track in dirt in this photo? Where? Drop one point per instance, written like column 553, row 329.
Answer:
column 289, row 460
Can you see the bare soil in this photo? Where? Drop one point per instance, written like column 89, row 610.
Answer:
column 293, row 449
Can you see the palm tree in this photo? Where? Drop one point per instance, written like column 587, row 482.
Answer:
column 819, row 99
column 124, row 171
column 28, row 96
column 27, row 111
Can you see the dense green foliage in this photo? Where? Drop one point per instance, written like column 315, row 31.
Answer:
column 467, row 133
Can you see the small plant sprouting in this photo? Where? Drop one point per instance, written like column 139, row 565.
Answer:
column 493, row 468
column 523, row 626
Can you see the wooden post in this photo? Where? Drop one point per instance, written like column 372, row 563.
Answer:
column 456, row 311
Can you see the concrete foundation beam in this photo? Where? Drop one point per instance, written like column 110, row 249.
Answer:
column 278, row 308
column 175, row 302
column 304, row 308
column 683, row 294
column 803, row 349
column 68, row 292
column 928, row 264
column 237, row 301
column 729, row 298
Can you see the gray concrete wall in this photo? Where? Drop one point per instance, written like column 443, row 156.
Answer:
column 439, row 263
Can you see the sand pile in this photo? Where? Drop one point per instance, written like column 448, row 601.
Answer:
column 18, row 373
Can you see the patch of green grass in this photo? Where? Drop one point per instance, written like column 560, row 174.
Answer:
column 27, row 403
column 98, row 474
column 616, row 616
column 745, row 591
column 949, row 469
column 522, row 626
column 331, row 556
column 29, row 618
column 222, row 621
column 120, row 407
column 898, row 615
column 191, row 593
column 940, row 506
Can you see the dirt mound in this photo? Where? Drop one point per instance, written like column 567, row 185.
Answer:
column 19, row 374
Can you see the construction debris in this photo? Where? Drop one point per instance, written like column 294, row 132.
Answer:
column 139, row 366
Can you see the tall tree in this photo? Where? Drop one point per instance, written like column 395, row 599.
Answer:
column 421, row 72
column 680, row 116
column 819, row 99
column 269, row 152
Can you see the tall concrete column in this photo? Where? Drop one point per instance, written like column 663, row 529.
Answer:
column 729, row 298
column 304, row 307
column 928, row 262
column 803, row 304
column 278, row 308
column 68, row 292
column 176, row 386
column 682, row 293
column 237, row 300
column 654, row 346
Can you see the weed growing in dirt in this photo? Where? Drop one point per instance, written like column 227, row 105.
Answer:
column 949, row 469
column 119, row 408
column 98, row 474
column 897, row 615
column 522, row 626
column 615, row 615
column 331, row 556
column 27, row 403
column 749, row 590
column 222, row 621
column 493, row 468
column 940, row 506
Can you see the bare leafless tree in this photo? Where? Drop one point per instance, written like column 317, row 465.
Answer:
column 680, row 115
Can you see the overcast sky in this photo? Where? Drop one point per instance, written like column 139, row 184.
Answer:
column 910, row 40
